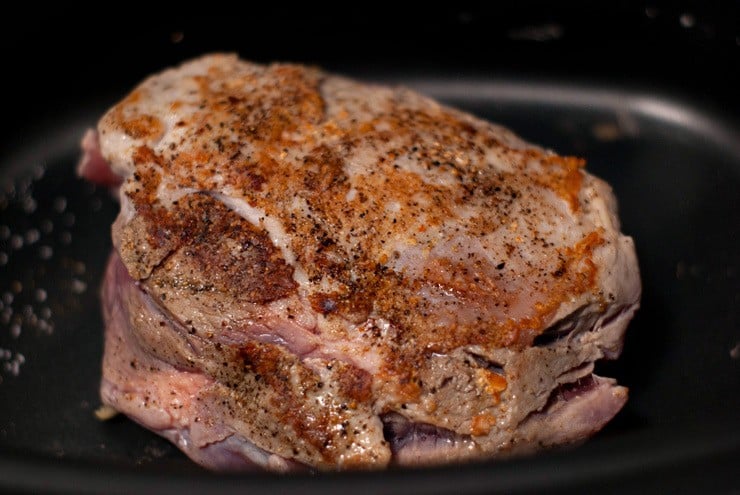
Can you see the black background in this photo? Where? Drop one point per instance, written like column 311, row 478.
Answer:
column 60, row 55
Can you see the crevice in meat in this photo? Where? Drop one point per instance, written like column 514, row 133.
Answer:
column 576, row 373
column 422, row 443
column 93, row 167
column 573, row 411
column 554, row 335
column 567, row 391
column 562, row 331
column 488, row 364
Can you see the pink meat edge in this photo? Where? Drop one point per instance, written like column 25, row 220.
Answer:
column 575, row 415
column 92, row 166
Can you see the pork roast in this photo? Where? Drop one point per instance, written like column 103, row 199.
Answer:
column 314, row 273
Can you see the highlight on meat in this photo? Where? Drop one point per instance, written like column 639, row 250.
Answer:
column 314, row 273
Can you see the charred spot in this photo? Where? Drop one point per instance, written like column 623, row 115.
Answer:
column 380, row 269
column 354, row 305
column 562, row 269
column 491, row 190
column 255, row 181
column 323, row 303
column 492, row 142
column 468, row 128
column 325, row 242
column 355, row 383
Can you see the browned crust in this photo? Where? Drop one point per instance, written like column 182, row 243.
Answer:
column 326, row 430
column 220, row 250
column 254, row 108
column 279, row 109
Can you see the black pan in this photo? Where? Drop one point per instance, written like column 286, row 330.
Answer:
column 669, row 146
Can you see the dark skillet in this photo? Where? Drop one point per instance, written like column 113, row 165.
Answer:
column 646, row 93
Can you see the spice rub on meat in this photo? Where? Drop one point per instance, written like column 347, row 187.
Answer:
column 313, row 272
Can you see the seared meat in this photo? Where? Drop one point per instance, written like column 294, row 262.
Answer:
column 309, row 271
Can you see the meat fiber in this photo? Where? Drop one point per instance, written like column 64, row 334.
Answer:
column 310, row 272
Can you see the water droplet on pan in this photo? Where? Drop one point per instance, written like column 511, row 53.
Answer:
column 5, row 316
column 16, row 241
column 78, row 286
column 46, row 252
column 79, row 268
column 15, row 330
column 40, row 295
column 38, row 172
column 29, row 204
column 60, row 204
column 32, row 236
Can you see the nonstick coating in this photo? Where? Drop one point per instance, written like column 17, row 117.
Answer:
column 674, row 168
